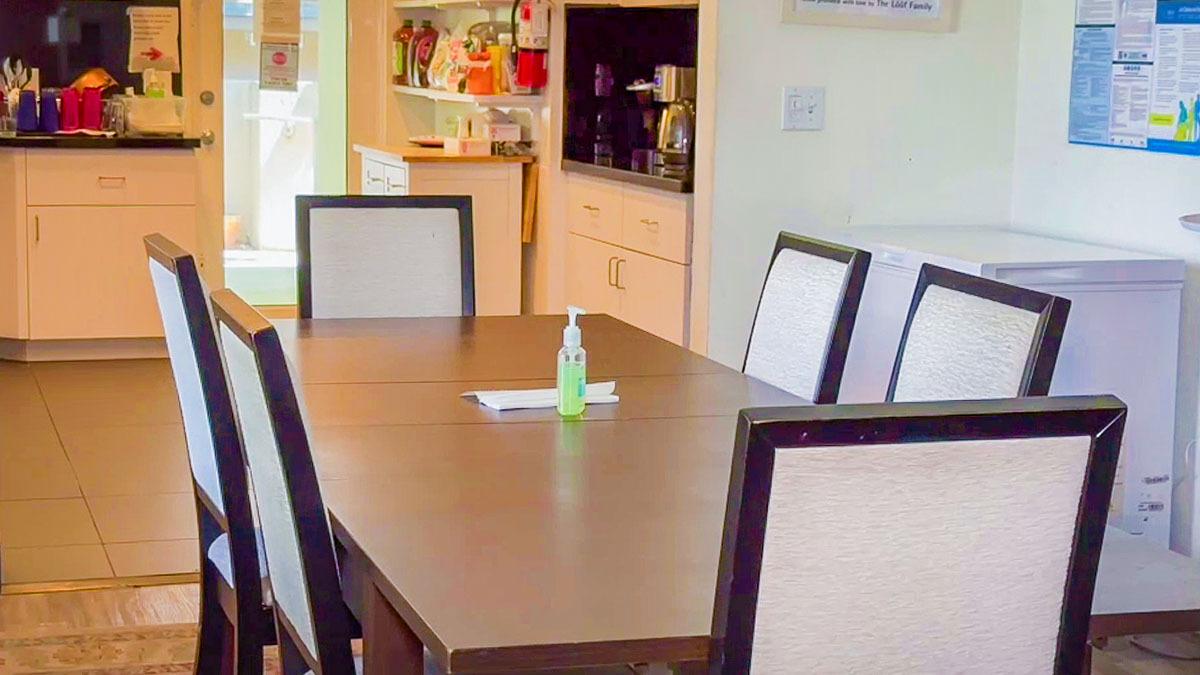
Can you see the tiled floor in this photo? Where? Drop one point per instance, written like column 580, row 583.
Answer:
column 94, row 478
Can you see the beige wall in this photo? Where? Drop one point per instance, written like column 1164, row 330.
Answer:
column 919, row 130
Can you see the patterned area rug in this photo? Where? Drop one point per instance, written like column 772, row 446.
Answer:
column 142, row 650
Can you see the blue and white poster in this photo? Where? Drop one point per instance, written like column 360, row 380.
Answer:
column 1135, row 76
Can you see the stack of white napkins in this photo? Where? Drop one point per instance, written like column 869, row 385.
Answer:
column 525, row 399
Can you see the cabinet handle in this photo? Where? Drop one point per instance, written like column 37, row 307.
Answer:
column 651, row 225
column 37, row 229
column 111, row 181
column 394, row 186
column 590, row 208
column 618, row 284
column 610, row 271
column 373, row 179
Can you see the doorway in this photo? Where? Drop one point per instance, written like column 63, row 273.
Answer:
column 278, row 144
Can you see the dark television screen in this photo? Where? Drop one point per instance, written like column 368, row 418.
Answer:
column 64, row 38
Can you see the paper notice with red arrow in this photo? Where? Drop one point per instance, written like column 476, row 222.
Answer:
column 153, row 39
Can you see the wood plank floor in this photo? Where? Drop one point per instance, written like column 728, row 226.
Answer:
column 156, row 605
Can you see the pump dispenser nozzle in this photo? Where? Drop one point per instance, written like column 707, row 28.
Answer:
column 572, row 336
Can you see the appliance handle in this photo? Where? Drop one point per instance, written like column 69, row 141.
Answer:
column 610, row 271
column 619, row 286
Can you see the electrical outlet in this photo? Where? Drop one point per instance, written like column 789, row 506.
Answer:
column 803, row 108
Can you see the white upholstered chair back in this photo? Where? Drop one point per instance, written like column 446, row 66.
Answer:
column 385, row 257
column 935, row 550
column 805, row 316
column 973, row 338
column 182, row 352
column 295, row 530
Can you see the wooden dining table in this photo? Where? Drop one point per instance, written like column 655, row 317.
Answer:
column 514, row 541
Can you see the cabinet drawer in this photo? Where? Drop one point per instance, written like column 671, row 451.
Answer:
column 87, row 269
column 654, row 295
column 395, row 180
column 657, row 224
column 111, row 177
column 594, row 209
column 374, row 177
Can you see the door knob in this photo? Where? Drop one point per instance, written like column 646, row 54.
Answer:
column 207, row 137
column 207, row 97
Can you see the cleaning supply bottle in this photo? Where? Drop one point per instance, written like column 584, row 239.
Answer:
column 572, row 367
column 401, row 40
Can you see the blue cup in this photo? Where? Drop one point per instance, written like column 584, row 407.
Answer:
column 27, row 114
column 49, row 112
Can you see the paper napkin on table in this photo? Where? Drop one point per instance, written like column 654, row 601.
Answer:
column 526, row 399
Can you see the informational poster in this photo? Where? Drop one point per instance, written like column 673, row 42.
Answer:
column 931, row 15
column 279, row 20
column 153, row 39
column 279, row 66
column 1135, row 79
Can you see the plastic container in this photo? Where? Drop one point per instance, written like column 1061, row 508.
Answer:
column 480, row 76
column 27, row 113
column 401, row 41
column 69, row 111
column 572, row 368
column 48, row 112
column 92, row 109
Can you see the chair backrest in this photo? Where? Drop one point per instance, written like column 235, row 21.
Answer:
column 806, row 315
column 295, row 530
column 967, row 337
column 919, row 538
column 384, row 257
column 209, row 425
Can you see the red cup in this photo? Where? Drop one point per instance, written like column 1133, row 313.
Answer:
column 93, row 108
column 69, row 115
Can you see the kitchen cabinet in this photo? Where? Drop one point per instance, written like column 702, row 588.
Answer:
column 495, row 186
column 629, row 254
column 75, row 282
column 87, row 269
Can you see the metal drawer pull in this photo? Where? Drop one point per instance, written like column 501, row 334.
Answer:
column 373, row 179
column 37, row 229
column 589, row 207
column 618, row 284
column 651, row 225
column 395, row 186
column 111, row 181
column 610, row 271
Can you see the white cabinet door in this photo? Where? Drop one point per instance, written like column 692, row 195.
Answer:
column 88, row 276
column 395, row 180
column 374, row 177
column 592, row 277
column 654, row 295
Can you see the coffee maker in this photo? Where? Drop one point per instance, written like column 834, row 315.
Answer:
column 675, row 86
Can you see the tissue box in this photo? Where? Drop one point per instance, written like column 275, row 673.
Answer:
column 468, row 147
column 502, row 132
column 155, row 115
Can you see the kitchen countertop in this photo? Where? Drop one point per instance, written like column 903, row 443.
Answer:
column 81, row 142
column 415, row 153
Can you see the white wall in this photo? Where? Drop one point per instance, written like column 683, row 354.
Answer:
column 1122, row 197
column 919, row 130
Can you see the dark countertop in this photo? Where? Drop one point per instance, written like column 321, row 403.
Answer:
column 625, row 176
column 81, row 142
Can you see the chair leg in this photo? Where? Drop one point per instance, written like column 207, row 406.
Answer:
column 290, row 660
column 214, row 646
column 249, row 650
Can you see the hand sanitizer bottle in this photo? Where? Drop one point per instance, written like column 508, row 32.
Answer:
column 572, row 368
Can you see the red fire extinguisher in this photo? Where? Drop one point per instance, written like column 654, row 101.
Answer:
column 532, row 21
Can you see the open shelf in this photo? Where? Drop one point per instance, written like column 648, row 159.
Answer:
column 501, row 101
column 450, row 4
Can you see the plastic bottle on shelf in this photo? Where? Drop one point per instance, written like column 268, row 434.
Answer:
column 420, row 53
column 401, row 41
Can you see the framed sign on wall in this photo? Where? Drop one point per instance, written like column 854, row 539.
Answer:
column 934, row 16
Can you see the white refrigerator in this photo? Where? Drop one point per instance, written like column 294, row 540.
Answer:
column 1122, row 334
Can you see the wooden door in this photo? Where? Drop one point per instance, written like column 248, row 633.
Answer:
column 654, row 295
column 203, row 40
column 87, row 269
column 591, row 275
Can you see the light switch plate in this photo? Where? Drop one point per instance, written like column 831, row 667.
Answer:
column 803, row 108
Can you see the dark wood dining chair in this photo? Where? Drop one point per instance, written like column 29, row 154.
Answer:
column 236, row 617
column 806, row 315
column 312, row 620
column 915, row 538
column 967, row 337
column 366, row 256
